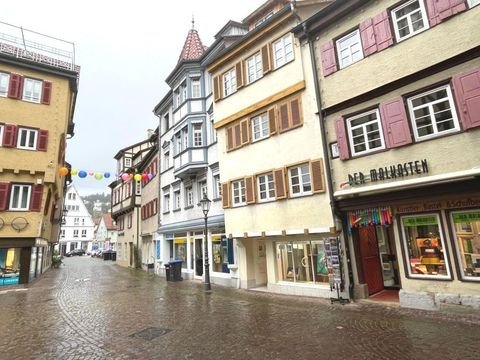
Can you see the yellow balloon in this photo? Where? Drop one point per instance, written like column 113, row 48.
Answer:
column 63, row 171
column 74, row 172
column 138, row 177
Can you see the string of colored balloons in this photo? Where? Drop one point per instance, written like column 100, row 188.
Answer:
column 63, row 171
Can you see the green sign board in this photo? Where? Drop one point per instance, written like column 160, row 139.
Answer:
column 413, row 221
column 466, row 217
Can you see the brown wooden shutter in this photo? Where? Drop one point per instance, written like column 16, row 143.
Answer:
column 237, row 135
column 295, row 107
column 283, row 114
column 37, row 194
column 61, row 149
column 46, row 92
column 230, row 144
column 266, row 63
column 42, row 140
column 15, row 86
column 9, row 135
column 216, row 88
column 280, row 186
column 226, row 195
column 47, row 202
column 318, row 183
column 244, row 131
column 239, row 74
column 250, row 189
column 4, row 189
column 272, row 123
column 52, row 213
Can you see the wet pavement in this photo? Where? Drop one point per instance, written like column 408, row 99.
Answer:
column 94, row 309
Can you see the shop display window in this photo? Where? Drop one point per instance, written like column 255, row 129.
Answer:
column 466, row 225
column 302, row 261
column 180, row 250
column 220, row 249
column 424, row 247
column 9, row 266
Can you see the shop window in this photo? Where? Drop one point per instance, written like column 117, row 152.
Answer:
column 180, row 250
column 409, row 19
column 466, row 225
column 302, row 261
column 221, row 247
column 9, row 266
column 424, row 247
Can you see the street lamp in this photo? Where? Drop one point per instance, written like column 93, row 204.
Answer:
column 206, row 208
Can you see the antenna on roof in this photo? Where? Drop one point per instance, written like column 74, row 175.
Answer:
column 193, row 22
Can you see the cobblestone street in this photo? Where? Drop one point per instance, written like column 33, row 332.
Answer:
column 94, row 309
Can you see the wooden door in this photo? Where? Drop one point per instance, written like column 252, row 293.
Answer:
column 370, row 259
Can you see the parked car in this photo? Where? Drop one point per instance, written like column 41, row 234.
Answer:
column 96, row 253
column 74, row 252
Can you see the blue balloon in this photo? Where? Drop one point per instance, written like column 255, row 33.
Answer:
column 106, row 175
column 82, row 174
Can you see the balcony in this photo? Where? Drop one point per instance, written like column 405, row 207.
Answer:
column 190, row 162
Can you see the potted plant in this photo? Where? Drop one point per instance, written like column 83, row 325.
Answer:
column 57, row 260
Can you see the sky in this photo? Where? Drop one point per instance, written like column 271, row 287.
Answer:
column 126, row 50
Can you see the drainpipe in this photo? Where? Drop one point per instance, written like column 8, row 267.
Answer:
column 336, row 213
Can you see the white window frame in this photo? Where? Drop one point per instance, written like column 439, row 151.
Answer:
column 4, row 84
column 254, row 67
column 178, row 142
column 407, row 17
column 202, row 189
column 229, row 79
column 188, row 196
column 185, row 137
column 364, row 127
column 84, row 233
column 127, row 162
column 282, row 51
column 75, row 233
column 1, row 134
column 195, row 87
column 260, row 127
column 28, row 134
column 19, row 189
column 32, row 90
column 166, row 159
column 197, row 135
column 217, row 186
column 238, row 193
column 176, row 199
column 339, row 42
column 76, row 221
column 472, row 3
column 436, row 133
column 166, row 202
column 269, row 182
column 301, row 176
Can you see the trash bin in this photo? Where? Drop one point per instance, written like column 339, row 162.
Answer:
column 114, row 256
column 167, row 272
column 107, row 255
column 176, row 270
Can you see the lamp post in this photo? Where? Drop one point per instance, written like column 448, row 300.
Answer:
column 206, row 208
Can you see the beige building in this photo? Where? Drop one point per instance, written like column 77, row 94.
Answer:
column 399, row 92
column 38, row 91
column 270, row 154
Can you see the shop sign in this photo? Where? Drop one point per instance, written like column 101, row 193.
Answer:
column 468, row 217
column 415, row 221
column 389, row 172
column 438, row 205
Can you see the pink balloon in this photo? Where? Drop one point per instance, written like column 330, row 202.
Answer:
column 125, row 177
column 150, row 176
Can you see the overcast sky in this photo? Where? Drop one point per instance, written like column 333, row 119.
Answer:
column 125, row 49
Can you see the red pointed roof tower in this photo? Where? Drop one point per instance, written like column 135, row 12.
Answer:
column 193, row 48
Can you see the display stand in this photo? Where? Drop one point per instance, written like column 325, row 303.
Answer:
column 334, row 265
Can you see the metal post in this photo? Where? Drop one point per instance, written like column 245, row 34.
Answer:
column 207, row 267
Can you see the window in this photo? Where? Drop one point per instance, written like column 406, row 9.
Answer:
column 254, row 67
column 178, row 140
column 176, row 98
column 1, row 134
column 83, row 221
column 213, row 132
column 62, row 233
column 365, row 132
column 238, row 190
column 424, row 247
column 466, row 225
column 166, row 202
column 266, row 187
column 409, row 19
column 473, row 3
column 185, row 137
column 75, row 233
column 349, row 49
column 166, row 159
column 217, row 187
column 282, row 51
column 197, row 135
column 176, row 199
column 184, row 92
column 300, row 183
column 202, row 188
column 128, row 162
column 229, row 82
column 4, row 81
column 27, row 139
column 196, row 88
column 20, row 197
column 166, row 121
column 32, row 90
column 129, row 221
column 84, row 233
column 76, row 221
column 433, row 113
column 188, row 196
column 260, row 127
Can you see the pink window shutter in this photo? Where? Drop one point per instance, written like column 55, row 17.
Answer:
column 367, row 33
column 395, row 123
column 467, row 95
column 36, row 202
column 46, row 92
column 383, row 31
column 9, row 135
column 342, row 138
column 42, row 140
column 440, row 10
column 329, row 62
column 4, row 188
column 14, row 88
